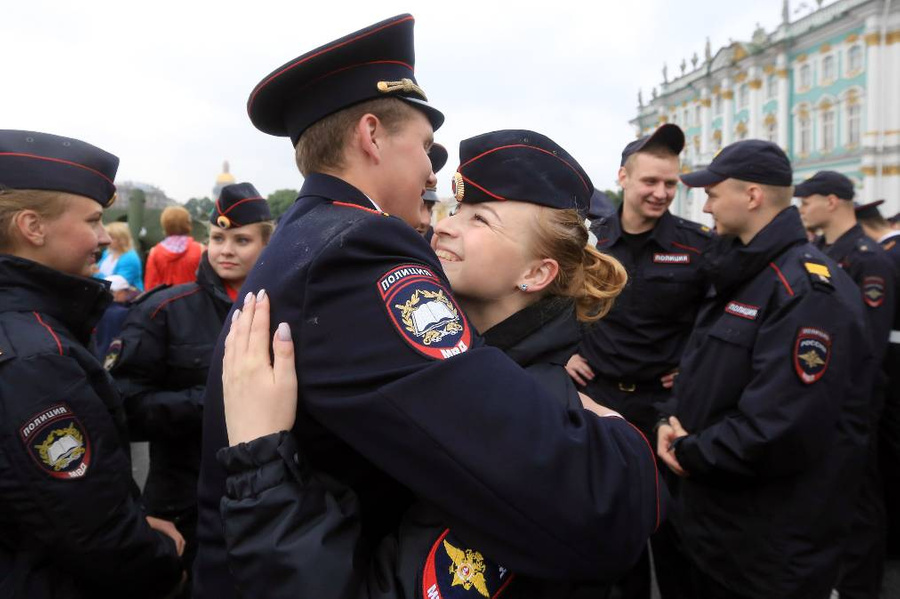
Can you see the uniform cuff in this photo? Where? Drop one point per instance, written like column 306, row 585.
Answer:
column 260, row 464
column 688, row 455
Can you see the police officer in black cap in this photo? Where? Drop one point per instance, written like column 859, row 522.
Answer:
column 827, row 204
column 769, row 414
column 71, row 523
column 162, row 357
column 628, row 359
column 438, row 155
column 396, row 390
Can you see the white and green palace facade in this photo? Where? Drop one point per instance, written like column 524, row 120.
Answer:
column 826, row 88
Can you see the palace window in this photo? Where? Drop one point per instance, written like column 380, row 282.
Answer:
column 771, row 86
column 805, row 79
column 771, row 129
column 804, row 134
column 854, row 120
column 828, row 69
column 743, row 96
column 854, row 59
column 828, row 129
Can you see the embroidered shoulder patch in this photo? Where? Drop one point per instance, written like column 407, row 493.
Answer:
column 660, row 258
column 812, row 352
column 743, row 310
column 424, row 312
column 452, row 572
column 112, row 354
column 57, row 442
column 873, row 291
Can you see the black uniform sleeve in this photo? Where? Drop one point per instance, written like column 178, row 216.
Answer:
column 66, row 481
column 781, row 424
column 140, row 371
column 874, row 275
column 521, row 477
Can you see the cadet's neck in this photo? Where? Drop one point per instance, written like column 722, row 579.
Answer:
column 634, row 223
column 838, row 225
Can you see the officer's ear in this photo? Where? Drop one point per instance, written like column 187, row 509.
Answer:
column 755, row 196
column 369, row 134
column 833, row 202
column 31, row 227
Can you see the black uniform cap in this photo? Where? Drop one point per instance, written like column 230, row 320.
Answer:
column 520, row 165
column 238, row 205
column 869, row 210
column 375, row 62
column 32, row 160
column 667, row 135
column 826, row 183
column 438, row 155
column 750, row 160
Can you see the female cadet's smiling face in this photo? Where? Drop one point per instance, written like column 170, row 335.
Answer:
column 485, row 248
column 73, row 238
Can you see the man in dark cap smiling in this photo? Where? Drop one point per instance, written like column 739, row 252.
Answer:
column 397, row 392
column 827, row 204
column 768, row 415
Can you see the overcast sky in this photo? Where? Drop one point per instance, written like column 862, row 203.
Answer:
column 164, row 84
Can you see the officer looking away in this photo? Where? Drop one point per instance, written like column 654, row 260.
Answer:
column 398, row 395
column 770, row 411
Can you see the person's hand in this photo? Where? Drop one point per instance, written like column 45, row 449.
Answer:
column 593, row 406
column 260, row 397
column 668, row 379
column 579, row 370
column 665, row 437
column 168, row 529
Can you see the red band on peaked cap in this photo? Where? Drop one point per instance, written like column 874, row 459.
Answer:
column 338, row 75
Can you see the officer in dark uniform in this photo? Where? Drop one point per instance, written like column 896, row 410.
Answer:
column 770, row 409
column 162, row 357
column 827, row 204
column 623, row 358
column 438, row 155
column 876, row 227
column 71, row 523
column 396, row 391
column 423, row 555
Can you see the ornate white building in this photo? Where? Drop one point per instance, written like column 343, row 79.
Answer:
column 825, row 87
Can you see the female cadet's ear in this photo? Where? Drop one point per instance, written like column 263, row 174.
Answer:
column 541, row 275
column 30, row 227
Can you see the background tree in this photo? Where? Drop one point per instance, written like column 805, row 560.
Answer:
column 199, row 208
column 280, row 201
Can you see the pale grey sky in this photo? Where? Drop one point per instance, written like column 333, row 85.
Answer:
column 164, row 85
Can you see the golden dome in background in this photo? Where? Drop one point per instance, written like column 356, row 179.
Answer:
column 225, row 178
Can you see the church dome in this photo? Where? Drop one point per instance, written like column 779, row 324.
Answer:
column 225, row 177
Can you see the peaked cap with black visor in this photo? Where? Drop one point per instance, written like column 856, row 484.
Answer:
column 438, row 155
column 239, row 204
column 520, row 165
column 375, row 62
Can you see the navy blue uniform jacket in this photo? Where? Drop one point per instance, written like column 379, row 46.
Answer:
column 773, row 390
column 388, row 402
column 71, row 524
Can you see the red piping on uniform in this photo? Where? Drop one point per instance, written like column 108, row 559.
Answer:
column 172, row 299
column 474, row 184
column 574, row 170
column 783, row 280
column 348, row 205
column 655, row 469
column 362, row 64
column 55, row 338
column 219, row 210
column 687, row 247
column 60, row 160
column 323, row 51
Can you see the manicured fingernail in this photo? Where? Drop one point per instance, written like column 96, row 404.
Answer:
column 236, row 315
column 261, row 295
column 284, row 332
column 248, row 298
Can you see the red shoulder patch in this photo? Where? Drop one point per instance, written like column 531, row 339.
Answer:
column 424, row 312
column 57, row 442
column 873, row 291
column 452, row 571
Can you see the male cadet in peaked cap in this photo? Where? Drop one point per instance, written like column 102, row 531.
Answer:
column 71, row 520
column 438, row 155
column 827, row 204
column 388, row 401
column 769, row 411
column 876, row 227
column 624, row 359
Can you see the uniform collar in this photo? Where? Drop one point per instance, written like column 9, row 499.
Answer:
column 517, row 336
column 888, row 236
column 845, row 244
column 663, row 232
column 336, row 190
column 76, row 302
column 732, row 263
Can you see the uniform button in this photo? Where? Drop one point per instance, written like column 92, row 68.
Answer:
column 296, row 459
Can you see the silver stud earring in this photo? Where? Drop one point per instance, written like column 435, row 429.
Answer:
column 523, row 287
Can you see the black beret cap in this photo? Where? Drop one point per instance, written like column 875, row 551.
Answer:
column 238, row 205
column 826, row 183
column 869, row 210
column 32, row 160
column 375, row 62
column 751, row 160
column 520, row 165
column 668, row 135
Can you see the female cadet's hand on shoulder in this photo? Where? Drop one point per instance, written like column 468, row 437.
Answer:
column 260, row 396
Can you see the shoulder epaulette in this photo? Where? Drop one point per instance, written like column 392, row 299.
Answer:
column 143, row 296
column 819, row 273
column 692, row 226
column 864, row 244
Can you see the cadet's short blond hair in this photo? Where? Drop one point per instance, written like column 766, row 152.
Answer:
column 48, row 204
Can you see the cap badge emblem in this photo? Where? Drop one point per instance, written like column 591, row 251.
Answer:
column 407, row 86
column 459, row 186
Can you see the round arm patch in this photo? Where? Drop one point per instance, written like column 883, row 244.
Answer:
column 57, row 442
column 424, row 312
column 812, row 352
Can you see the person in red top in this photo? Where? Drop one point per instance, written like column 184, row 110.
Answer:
column 175, row 259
